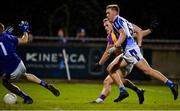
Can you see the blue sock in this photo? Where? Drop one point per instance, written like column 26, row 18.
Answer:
column 169, row 83
column 102, row 97
column 43, row 83
column 122, row 89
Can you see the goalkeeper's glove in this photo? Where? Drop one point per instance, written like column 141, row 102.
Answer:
column 24, row 26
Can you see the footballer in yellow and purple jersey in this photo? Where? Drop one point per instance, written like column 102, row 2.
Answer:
column 111, row 38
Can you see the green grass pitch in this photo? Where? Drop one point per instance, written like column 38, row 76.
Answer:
column 76, row 96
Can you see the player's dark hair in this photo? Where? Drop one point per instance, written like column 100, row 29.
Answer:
column 113, row 7
column 1, row 27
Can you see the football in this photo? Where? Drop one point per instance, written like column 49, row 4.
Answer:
column 10, row 98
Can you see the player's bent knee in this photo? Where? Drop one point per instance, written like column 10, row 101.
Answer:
column 107, row 82
column 108, row 69
column 111, row 69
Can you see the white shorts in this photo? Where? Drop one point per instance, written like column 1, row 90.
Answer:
column 20, row 70
column 128, row 68
column 133, row 55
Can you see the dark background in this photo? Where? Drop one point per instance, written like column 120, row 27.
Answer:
column 46, row 16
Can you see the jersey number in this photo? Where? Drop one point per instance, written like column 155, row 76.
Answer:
column 3, row 49
column 130, row 29
column 134, row 53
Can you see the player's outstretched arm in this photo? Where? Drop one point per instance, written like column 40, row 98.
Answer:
column 144, row 32
column 138, row 34
column 103, row 59
column 24, row 26
column 105, row 56
column 153, row 26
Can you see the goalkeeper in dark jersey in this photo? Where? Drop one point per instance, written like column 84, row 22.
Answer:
column 13, row 67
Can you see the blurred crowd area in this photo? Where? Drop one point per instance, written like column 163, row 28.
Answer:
column 48, row 17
